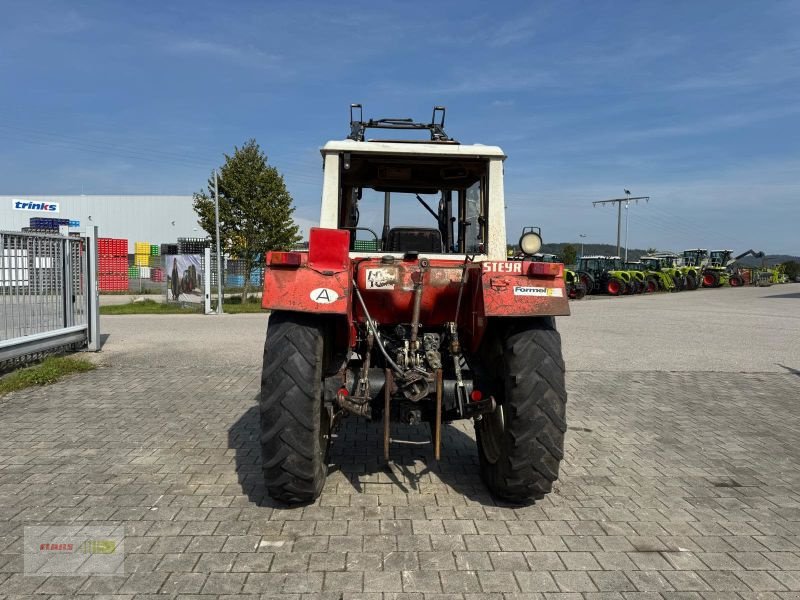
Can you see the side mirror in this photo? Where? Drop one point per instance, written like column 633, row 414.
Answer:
column 530, row 242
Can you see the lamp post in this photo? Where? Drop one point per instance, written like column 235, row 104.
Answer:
column 219, row 253
column 581, row 235
column 627, row 202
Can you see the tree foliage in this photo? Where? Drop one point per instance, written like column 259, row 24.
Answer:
column 255, row 208
column 792, row 269
column 569, row 254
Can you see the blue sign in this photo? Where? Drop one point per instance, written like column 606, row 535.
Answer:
column 74, row 223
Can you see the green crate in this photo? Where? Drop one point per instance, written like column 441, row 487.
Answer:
column 133, row 272
column 154, row 250
column 366, row 246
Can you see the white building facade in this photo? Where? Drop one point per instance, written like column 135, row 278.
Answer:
column 153, row 219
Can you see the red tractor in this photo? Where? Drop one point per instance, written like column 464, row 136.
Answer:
column 426, row 322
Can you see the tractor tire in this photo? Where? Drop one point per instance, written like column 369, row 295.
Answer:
column 710, row 279
column 736, row 281
column 650, row 285
column 295, row 426
column 521, row 443
column 580, row 291
column 679, row 283
column 615, row 287
column 691, row 282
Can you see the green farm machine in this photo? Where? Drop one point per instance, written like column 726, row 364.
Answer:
column 667, row 277
column 606, row 274
column 721, row 269
column 686, row 276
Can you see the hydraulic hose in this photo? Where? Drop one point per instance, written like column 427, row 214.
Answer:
column 374, row 331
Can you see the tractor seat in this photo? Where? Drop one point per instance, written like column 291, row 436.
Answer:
column 414, row 239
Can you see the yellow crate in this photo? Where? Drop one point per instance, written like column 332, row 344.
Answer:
column 141, row 248
column 141, row 260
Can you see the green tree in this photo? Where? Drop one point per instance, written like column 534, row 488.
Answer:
column 792, row 269
column 569, row 254
column 255, row 208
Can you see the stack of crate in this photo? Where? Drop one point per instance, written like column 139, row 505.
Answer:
column 112, row 264
column 45, row 225
column 155, row 263
column 192, row 245
column 141, row 261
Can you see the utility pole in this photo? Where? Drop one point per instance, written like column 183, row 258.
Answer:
column 626, row 231
column 219, row 254
column 581, row 235
column 619, row 202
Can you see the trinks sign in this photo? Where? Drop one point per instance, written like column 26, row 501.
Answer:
column 46, row 207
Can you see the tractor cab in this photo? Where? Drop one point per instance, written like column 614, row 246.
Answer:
column 652, row 263
column 719, row 258
column 668, row 259
column 435, row 197
column 696, row 257
column 546, row 258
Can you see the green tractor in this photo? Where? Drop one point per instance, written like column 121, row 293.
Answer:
column 605, row 274
column 720, row 269
column 686, row 277
column 669, row 279
column 646, row 279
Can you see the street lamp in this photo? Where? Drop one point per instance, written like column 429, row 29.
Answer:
column 581, row 235
column 627, row 202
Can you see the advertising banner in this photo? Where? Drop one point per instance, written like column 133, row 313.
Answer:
column 50, row 208
column 184, row 278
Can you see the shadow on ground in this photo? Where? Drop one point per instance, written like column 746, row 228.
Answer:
column 356, row 458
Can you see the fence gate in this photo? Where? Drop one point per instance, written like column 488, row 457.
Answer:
column 48, row 294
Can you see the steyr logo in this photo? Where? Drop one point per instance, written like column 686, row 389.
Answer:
column 48, row 207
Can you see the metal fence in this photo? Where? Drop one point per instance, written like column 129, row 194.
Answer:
column 46, row 286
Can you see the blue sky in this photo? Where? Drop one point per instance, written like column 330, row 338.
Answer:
column 692, row 103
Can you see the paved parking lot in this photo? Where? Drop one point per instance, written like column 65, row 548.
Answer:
column 681, row 478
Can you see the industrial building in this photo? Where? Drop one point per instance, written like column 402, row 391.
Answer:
column 155, row 219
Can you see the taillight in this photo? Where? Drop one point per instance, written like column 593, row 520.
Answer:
column 284, row 259
column 543, row 269
column 476, row 395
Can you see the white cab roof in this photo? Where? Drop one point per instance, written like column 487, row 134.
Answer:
column 462, row 150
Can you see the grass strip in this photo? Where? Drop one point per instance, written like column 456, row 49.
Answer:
column 50, row 370
column 151, row 307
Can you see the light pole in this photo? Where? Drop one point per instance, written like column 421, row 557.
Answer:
column 219, row 254
column 627, row 202
column 618, row 202
column 581, row 235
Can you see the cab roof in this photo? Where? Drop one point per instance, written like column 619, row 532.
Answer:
column 413, row 147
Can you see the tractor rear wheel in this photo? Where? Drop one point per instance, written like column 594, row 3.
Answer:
column 295, row 426
column 679, row 282
column 521, row 443
column 650, row 285
column 710, row 279
column 615, row 287
column 736, row 281
column 691, row 282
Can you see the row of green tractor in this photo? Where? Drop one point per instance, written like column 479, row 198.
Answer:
column 662, row 272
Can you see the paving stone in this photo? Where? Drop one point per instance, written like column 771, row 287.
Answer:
column 695, row 498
